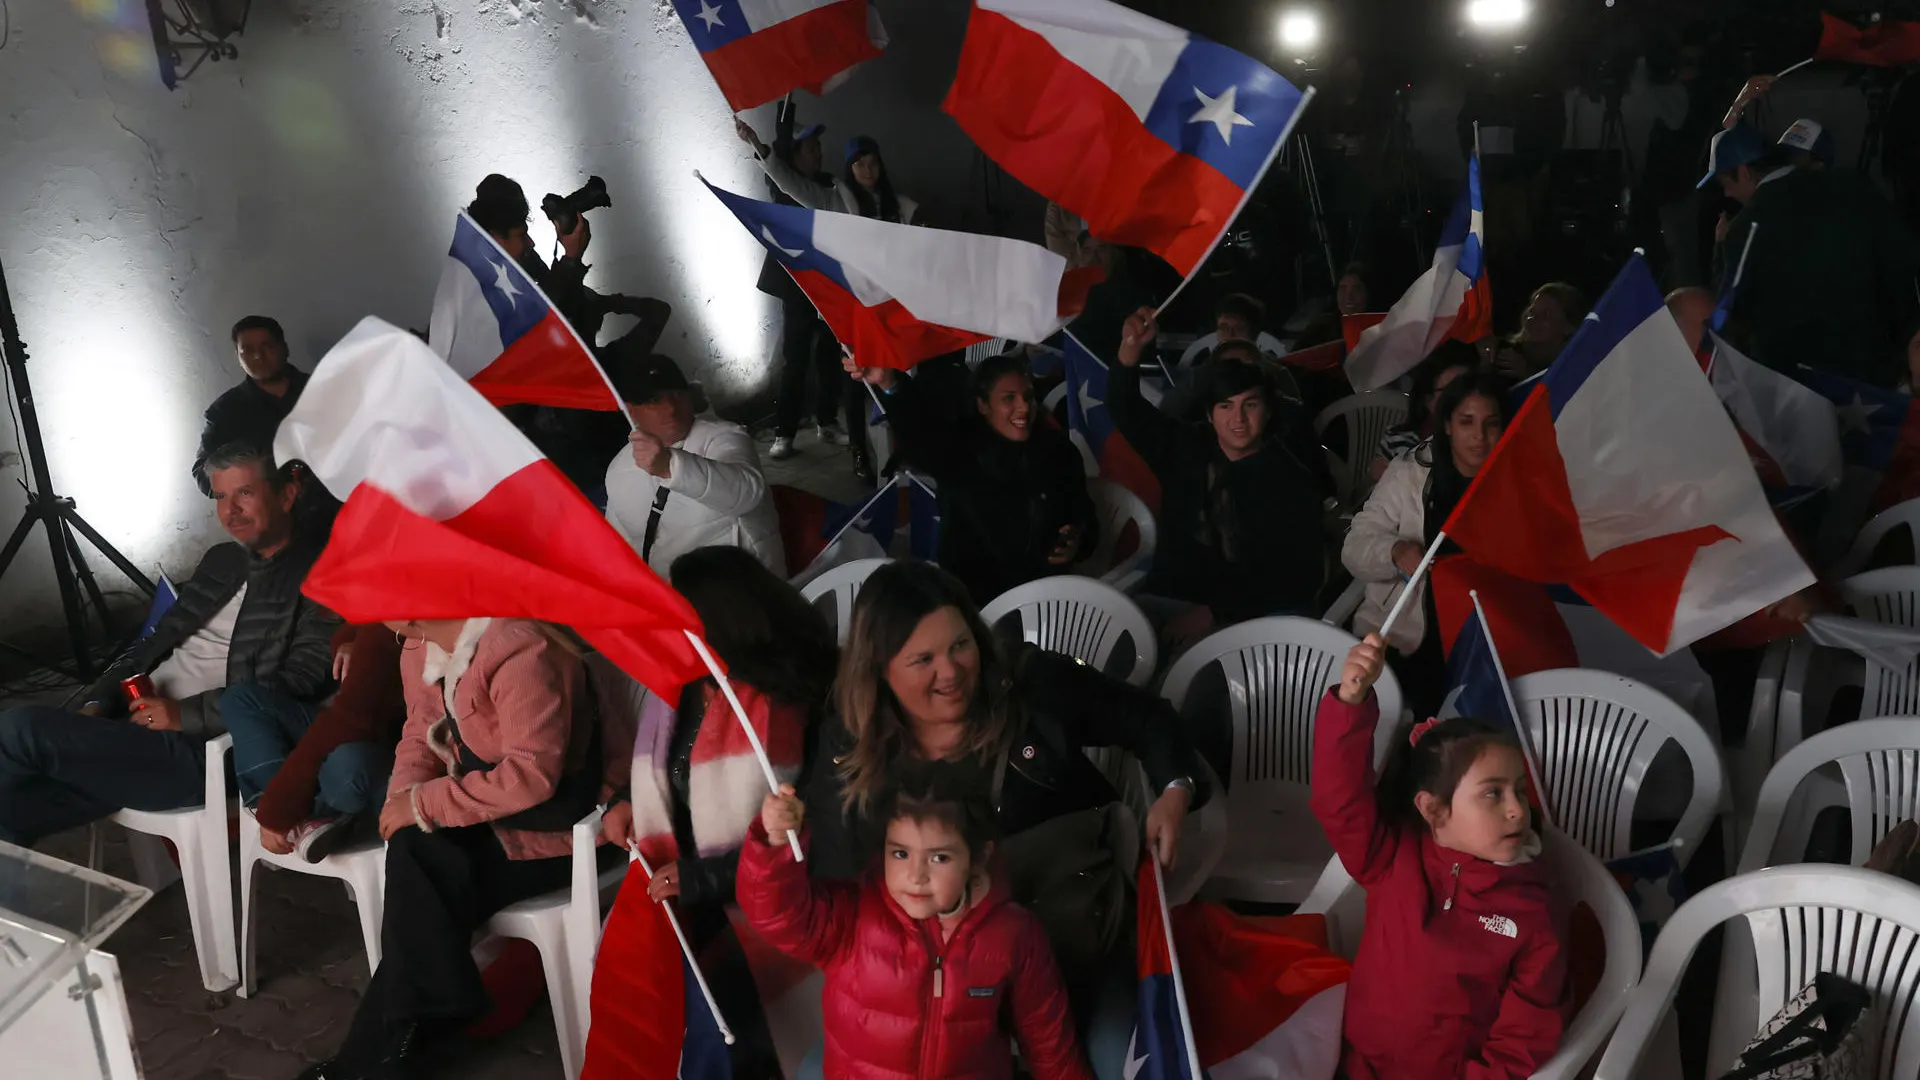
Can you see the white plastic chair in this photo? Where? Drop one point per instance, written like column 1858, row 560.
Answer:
column 1747, row 767
column 362, row 868
column 1900, row 515
column 1081, row 618
column 1277, row 669
column 1267, row 342
column 1879, row 765
column 842, row 583
column 1583, row 880
column 1862, row 925
column 199, row 835
column 1115, row 507
column 565, row 926
column 1368, row 417
column 1596, row 735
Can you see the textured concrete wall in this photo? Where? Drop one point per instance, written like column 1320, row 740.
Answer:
column 315, row 179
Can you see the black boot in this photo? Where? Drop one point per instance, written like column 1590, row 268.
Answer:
column 863, row 467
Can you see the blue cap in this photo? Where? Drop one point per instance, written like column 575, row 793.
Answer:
column 860, row 146
column 811, row 131
column 1736, row 146
column 1809, row 136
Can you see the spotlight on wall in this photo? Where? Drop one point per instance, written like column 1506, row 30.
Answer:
column 1497, row 16
column 196, row 29
column 1299, row 31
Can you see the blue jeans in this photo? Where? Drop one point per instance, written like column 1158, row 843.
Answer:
column 266, row 724
column 60, row 769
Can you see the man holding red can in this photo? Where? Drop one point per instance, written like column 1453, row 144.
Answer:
column 139, row 740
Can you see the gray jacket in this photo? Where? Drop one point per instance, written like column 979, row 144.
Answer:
column 281, row 639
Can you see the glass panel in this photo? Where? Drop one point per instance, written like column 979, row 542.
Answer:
column 51, row 913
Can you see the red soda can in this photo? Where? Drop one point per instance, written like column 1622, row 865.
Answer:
column 140, row 686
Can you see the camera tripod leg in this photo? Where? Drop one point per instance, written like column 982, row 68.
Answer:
column 41, row 511
column 84, row 573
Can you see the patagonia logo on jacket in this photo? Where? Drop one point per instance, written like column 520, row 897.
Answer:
column 1500, row 924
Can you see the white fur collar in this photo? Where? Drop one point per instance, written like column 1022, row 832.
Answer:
column 446, row 668
column 1530, row 848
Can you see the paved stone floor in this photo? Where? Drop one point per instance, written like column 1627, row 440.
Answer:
column 312, row 968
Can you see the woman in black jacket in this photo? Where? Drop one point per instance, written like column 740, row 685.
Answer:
column 922, row 678
column 1240, row 516
column 1013, row 492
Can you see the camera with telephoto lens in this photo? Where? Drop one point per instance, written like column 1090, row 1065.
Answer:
column 565, row 210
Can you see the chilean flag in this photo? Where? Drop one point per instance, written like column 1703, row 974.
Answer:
column 1890, row 43
column 899, row 294
column 1622, row 477
column 1264, row 1003
column 650, row 1018
column 1154, row 136
column 1789, row 431
column 495, row 327
column 451, row 513
column 759, row 50
column 1091, row 427
column 1450, row 301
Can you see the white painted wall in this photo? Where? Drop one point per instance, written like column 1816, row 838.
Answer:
column 315, row 179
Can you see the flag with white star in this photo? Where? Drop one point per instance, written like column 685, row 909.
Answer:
column 761, row 50
column 1154, row 136
column 495, row 327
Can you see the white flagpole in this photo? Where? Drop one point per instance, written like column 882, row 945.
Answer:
column 1513, row 708
column 753, row 737
column 1746, row 249
column 1245, row 197
column 686, row 949
column 1179, row 984
column 1413, row 581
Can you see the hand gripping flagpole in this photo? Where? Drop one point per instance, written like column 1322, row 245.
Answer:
column 686, row 949
column 1520, row 733
column 753, row 737
column 1413, row 583
column 1173, row 961
column 1245, row 197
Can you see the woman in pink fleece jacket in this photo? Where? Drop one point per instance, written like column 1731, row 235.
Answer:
column 501, row 754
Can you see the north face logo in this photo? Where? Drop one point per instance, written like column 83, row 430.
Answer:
column 1501, row 925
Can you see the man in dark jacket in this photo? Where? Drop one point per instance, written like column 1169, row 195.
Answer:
column 1240, row 516
column 1830, row 274
column 251, row 412
column 239, row 619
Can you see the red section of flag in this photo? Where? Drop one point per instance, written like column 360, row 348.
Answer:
column 533, row 548
column 885, row 335
column 1319, row 358
column 526, row 372
column 1122, row 464
column 1523, row 621
column 1890, row 43
column 639, row 993
column 797, row 53
column 1352, row 326
column 1519, row 516
column 1475, row 320
column 1066, row 135
column 1901, row 479
column 803, row 524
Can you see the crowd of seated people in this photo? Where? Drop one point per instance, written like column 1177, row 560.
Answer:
column 935, row 774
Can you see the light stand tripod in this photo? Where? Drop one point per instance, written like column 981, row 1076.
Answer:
column 57, row 514
column 1301, row 154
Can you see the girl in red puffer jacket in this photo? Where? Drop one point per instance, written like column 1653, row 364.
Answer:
column 1459, row 972
column 924, row 956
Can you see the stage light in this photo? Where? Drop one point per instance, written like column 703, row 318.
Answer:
column 1496, row 15
column 1299, row 30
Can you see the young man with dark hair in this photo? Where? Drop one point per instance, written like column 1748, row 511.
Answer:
column 1240, row 515
column 1239, row 318
column 240, row 619
column 251, row 412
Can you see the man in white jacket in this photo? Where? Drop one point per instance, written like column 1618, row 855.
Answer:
column 686, row 481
